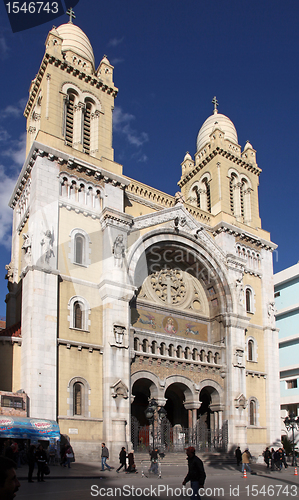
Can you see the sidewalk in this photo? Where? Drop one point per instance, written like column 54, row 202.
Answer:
column 78, row 470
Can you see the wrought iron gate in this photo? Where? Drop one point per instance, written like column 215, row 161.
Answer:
column 177, row 438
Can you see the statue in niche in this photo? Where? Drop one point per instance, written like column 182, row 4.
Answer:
column 9, row 272
column 118, row 249
column 26, row 247
column 48, row 241
column 271, row 312
column 240, row 290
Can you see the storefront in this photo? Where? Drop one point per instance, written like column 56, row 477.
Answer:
column 27, row 431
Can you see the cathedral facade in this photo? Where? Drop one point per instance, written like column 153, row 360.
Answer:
column 126, row 294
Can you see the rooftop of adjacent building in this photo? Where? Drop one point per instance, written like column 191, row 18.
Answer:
column 286, row 275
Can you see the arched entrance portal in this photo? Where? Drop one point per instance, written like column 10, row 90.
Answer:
column 192, row 418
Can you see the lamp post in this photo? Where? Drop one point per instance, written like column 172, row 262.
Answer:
column 150, row 413
column 292, row 422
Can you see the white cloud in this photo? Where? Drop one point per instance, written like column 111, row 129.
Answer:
column 122, row 124
column 113, row 42
column 3, row 48
column 17, row 150
column 14, row 110
column 6, row 188
column 4, row 135
column 117, row 60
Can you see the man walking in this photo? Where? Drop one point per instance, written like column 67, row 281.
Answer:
column 196, row 473
column 105, row 456
column 246, row 460
column 238, row 455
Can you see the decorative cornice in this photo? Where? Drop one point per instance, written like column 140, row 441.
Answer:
column 255, row 373
column 221, row 152
column 93, row 80
column 80, row 345
column 259, row 243
column 111, row 217
column 73, row 164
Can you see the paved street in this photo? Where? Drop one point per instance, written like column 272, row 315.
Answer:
column 85, row 481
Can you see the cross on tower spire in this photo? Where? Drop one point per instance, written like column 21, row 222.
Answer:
column 71, row 13
column 215, row 102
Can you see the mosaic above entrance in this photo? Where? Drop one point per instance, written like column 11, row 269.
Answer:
column 170, row 324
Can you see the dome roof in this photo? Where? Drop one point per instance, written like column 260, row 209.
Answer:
column 219, row 121
column 73, row 38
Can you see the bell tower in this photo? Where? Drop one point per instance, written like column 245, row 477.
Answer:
column 222, row 178
column 71, row 102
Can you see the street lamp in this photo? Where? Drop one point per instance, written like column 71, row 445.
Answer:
column 150, row 412
column 292, row 422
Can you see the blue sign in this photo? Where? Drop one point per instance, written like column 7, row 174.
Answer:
column 28, row 428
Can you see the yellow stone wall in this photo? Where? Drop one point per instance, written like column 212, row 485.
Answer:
column 88, row 365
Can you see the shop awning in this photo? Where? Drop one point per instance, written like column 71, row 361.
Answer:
column 28, row 428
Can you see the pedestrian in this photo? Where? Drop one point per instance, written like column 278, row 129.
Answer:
column 284, row 458
column 154, row 461
column 267, row 456
column 272, row 458
column 238, row 455
column 31, row 462
column 122, row 459
column 246, row 460
column 41, row 459
column 131, row 466
column 196, row 473
column 9, row 484
column 69, row 454
column 278, row 459
column 105, row 456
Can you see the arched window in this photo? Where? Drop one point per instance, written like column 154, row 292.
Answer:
column 232, row 182
column 86, row 127
column 144, row 345
column 252, row 412
column 79, row 310
column 248, row 300
column 79, row 247
column 77, row 398
column 136, row 347
column 78, row 316
column 250, row 350
column 69, row 119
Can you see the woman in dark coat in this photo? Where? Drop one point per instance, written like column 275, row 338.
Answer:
column 122, row 459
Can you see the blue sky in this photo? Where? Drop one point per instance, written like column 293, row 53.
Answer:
column 171, row 57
